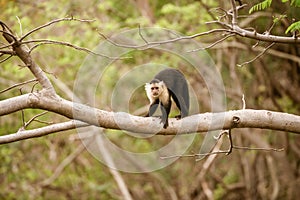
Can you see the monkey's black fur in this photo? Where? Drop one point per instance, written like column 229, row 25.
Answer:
column 177, row 88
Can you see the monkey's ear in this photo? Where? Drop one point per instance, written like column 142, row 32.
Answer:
column 162, row 84
column 147, row 86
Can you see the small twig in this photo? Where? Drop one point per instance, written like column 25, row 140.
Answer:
column 273, row 24
column 32, row 119
column 259, row 55
column 221, row 152
column 34, row 86
column 228, row 133
column 22, row 111
column 43, row 122
column 20, row 24
column 141, row 35
column 230, row 142
column 18, row 84
column 151, row 44
column 50, row 23
column 193, row 155
column 260, row 149
column 244, row 102
column 45, row 41
column 6, row 45
column 213, row 44
column 50, row 73
column 12, row 40
column 5, row 59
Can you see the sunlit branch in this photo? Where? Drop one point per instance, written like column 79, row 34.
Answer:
column 39, row 132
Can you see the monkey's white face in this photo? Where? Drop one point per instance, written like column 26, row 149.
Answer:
column 154, row 90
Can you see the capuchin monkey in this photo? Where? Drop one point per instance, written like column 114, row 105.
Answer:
column 166, row 84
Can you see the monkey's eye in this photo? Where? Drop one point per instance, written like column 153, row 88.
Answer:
column 154, row 88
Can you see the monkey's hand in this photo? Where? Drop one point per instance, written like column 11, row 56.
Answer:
column 178, row 117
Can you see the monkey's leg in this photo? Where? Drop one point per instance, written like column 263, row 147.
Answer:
column 184, row 110
column 152, row 110
column 165, row 110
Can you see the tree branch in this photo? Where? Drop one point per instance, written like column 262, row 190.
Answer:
column 246, row 118
column 39, row 132
column 50, row 23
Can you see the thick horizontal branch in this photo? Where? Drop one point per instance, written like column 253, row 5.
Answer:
column 123, row 121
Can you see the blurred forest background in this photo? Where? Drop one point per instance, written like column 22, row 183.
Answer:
column 57, row 167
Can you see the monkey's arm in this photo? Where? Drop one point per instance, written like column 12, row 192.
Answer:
column 152, row 108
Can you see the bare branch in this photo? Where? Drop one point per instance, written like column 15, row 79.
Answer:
column 247, row 118
column 45, row 42
column 213, row 44
column 256, row 57
column 156, row 43
column 257, row 148
column 32, row 119
column 217, row 150
column 234, row 14
column 39, row 132
column 50, row 23
column 8, row 33
column 7, row 45
column 5, row 59
column 244, row 102
column 18, row 84
column 141, row 35
column 273, row 52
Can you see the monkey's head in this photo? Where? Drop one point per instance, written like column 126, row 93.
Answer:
column 155, row 88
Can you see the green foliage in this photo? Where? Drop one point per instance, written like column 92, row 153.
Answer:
column 267, row 3
column 295, row 3
column 260, row 6
column 293, row 27
column 278, row 19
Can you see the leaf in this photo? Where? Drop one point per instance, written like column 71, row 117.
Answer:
column 295, row 3
column 293, row 27
column 277, row 19
column 260, row 6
